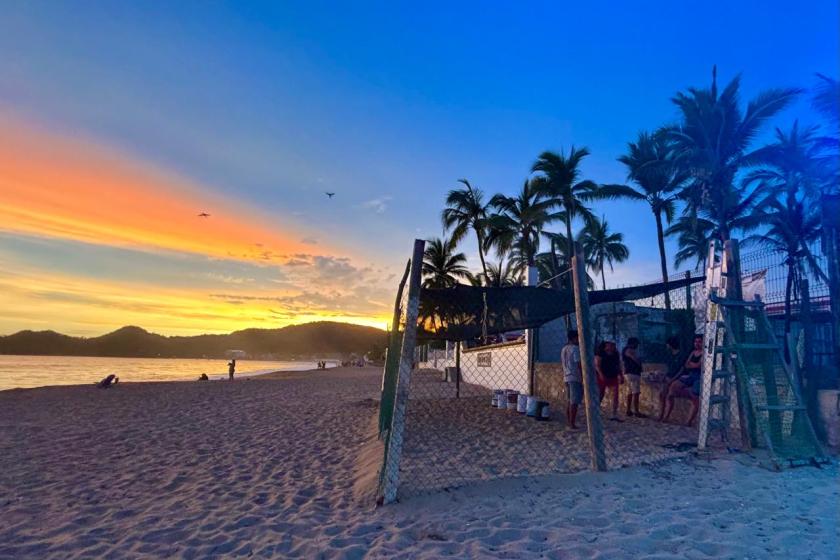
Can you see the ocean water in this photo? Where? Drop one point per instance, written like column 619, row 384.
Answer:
column 39, row 371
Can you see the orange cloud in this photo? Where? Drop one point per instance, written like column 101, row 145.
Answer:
column 66, row 188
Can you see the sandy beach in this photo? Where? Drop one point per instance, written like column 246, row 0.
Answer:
column 271, row 467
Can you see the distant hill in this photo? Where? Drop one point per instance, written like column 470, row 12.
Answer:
column 321, row 339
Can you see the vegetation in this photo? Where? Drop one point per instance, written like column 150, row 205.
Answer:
column 297, row 341
column 706, row 177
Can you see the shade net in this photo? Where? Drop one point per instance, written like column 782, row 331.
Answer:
column 468, row 313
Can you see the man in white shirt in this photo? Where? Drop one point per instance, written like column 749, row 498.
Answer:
column 573, row 376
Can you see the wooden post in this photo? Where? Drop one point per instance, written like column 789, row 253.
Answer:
column 395, row 441
column 811, row 385
column 587, row 363
column 458, row 370
column 734, row 290
column 831, row 248
column 688, row 301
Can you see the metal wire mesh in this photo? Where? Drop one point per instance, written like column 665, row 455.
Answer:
column 473, row 422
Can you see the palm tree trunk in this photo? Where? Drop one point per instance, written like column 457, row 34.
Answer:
column 788, row 289
column 481, row 253
column 663, row 263
column 569, row 240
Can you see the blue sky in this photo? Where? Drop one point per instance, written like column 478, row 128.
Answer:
column 268, row 105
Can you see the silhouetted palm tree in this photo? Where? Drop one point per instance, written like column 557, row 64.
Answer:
column 659, row 178
column 713, row 143
column 693, row 238
column 601, row 247
column 465, row 210
column 442, row 266
column 517, row 225
column 559, row 182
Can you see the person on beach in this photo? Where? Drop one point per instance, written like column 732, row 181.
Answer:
column 687, row 384
column 633, row 373
column 608, row 374
column 674, row 365
column 231, row 369
column 203, row 377
column 108, row 381
column 573, row 376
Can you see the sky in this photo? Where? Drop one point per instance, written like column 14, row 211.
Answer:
column 120, row 122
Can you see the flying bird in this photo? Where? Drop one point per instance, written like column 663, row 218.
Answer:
column 330, row 194
column 204, row 215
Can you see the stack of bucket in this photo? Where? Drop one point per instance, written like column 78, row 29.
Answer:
column 529, row 405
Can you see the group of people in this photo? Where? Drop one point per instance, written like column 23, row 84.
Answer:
column 322, row 364
column 613, row 369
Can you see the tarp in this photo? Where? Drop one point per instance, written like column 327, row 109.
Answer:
column 468, row 312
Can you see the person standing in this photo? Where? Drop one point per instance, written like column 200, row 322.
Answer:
column 231, row 369
column 633, row 373
column 608, row 371
column 573, row 376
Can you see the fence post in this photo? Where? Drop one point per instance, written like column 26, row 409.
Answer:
column 590, row 389
column 831, row 248
column 811, row 379
column 734, row 290
column 458, row 370
column 688, row 301
column 395, row 440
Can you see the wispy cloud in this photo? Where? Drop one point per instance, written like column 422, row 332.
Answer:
column 378, row 205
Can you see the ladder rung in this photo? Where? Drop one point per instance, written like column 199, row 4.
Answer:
column 781, row 407
column 736, row 303
column 721, row 374
column 718, row 399
column 716, row 424
column 746, row 346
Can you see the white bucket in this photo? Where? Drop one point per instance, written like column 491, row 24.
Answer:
column 522, row 404
column 829, row 400
column 531, row 406
column 498, row 395
column 503, row 400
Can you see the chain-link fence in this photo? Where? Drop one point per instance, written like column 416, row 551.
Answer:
column 498, row 405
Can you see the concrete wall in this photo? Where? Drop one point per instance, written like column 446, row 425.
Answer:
column 497, row 366
column 549, row 385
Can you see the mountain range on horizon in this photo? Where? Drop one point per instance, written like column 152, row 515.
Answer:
column 321, row 339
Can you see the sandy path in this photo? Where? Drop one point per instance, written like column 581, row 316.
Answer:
column 265, row 467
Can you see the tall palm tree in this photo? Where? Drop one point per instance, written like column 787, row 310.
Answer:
column 602, row 247
column 465, row 210
column 652, row 166
column 713, row 142
column 558, row 181
column 442, row 266
column 517, row 224
column 693, row 238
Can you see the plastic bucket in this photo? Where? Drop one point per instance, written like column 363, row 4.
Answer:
column 502, row 400
column 512, row 400
column 543, row 411
column 521, row 404
column 829, row 401
column 531, row 406
column 498, row 395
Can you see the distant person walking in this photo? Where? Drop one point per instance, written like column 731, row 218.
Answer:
column 573, row 376
column 231, row 369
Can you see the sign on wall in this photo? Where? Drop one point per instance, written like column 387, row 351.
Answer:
column 483, row 359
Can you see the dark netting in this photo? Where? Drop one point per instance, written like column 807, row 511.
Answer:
column 468, row 313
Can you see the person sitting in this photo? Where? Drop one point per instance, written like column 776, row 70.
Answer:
column 687, row 385
column 203, row 377
column 108, row 381
column 608, row 372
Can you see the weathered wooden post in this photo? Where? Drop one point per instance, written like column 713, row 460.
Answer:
column 395, row 441
column 808, row 371
column 587, row 362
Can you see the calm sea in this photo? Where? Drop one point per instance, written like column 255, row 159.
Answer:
column 38, row 371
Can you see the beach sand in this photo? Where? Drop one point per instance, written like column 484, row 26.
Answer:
column 276, row 466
